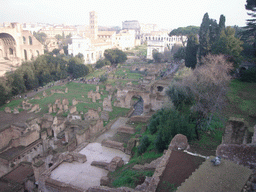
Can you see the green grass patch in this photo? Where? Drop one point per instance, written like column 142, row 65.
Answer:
column 131, row 178
column 12, row 104
column 117, row 111
column 242, row 102
column 96, row 73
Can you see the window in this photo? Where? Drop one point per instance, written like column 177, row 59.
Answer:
column 30, row 40
column 24, row 40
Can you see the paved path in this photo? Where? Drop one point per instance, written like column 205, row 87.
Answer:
column 111, row 132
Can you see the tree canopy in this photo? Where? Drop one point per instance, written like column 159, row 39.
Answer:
column 228, row 44
column 40, row 36
column 115, row 56
column 185, row 31
column 249, row 33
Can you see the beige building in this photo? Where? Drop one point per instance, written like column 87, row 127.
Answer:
column 17, row 45
column 58, row 30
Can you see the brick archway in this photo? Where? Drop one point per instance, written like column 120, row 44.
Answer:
column 8, row 45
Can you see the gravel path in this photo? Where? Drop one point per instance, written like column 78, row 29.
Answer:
column 121, row 121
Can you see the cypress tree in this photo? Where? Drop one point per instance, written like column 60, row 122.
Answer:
column 204, row 39
column 191, row 51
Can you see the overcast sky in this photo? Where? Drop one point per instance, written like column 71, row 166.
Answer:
column 165, row 13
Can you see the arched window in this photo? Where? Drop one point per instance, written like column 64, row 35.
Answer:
column 24, row 40
column 25, row 54
column 30, row 40
column 10, row 51
column 37, row 52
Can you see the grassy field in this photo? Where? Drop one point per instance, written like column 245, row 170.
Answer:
column 242, row 102
column 79, row 91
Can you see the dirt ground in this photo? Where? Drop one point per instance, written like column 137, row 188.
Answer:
column 179, row 168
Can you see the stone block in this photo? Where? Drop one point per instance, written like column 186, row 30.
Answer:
column 57, row 102
column 179, row 142
column 54, row 108
column 73, row 109
column 65, row 102
column 34, row 108
column 108, row 87
column 124, row 129
column 235, row 132
column 7, row 110
column 44, row 94
column 115, row 163
column 100, row 164
column 104, row 116
column 143, row 119
column 26, row 105
column 50, row 108
column 60, row 112
column 74, row 102
column 113, row 144
column 65, row 108
column 16, row 111
column 107, row 106
column 131, row 143
column 104, row 181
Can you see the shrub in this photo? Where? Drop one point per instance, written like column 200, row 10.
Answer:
column 249, row 76
column 143, row 145
column 166, row 123
column 103, row 78
column 101, row 63
column 180, row 95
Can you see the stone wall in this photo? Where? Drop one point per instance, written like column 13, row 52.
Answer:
column 81, row 138
column 96, row 128
column 7, row 135
column 240, row 154
column 235, row 132
column 140, row 118
column 92, row 114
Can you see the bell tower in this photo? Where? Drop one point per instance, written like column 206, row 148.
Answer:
column 93, row 24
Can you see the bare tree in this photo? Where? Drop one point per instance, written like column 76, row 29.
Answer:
column 209, row 85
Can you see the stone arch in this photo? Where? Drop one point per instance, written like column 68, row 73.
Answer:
column 30, row 40
column 144, row 96
column 8, row 45
column 160, row 88
column 1, row 53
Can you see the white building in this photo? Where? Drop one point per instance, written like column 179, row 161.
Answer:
column 160, row 41
column 125, row 39
column 92, row 49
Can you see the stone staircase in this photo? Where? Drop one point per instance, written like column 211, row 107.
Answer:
column 228, row 176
